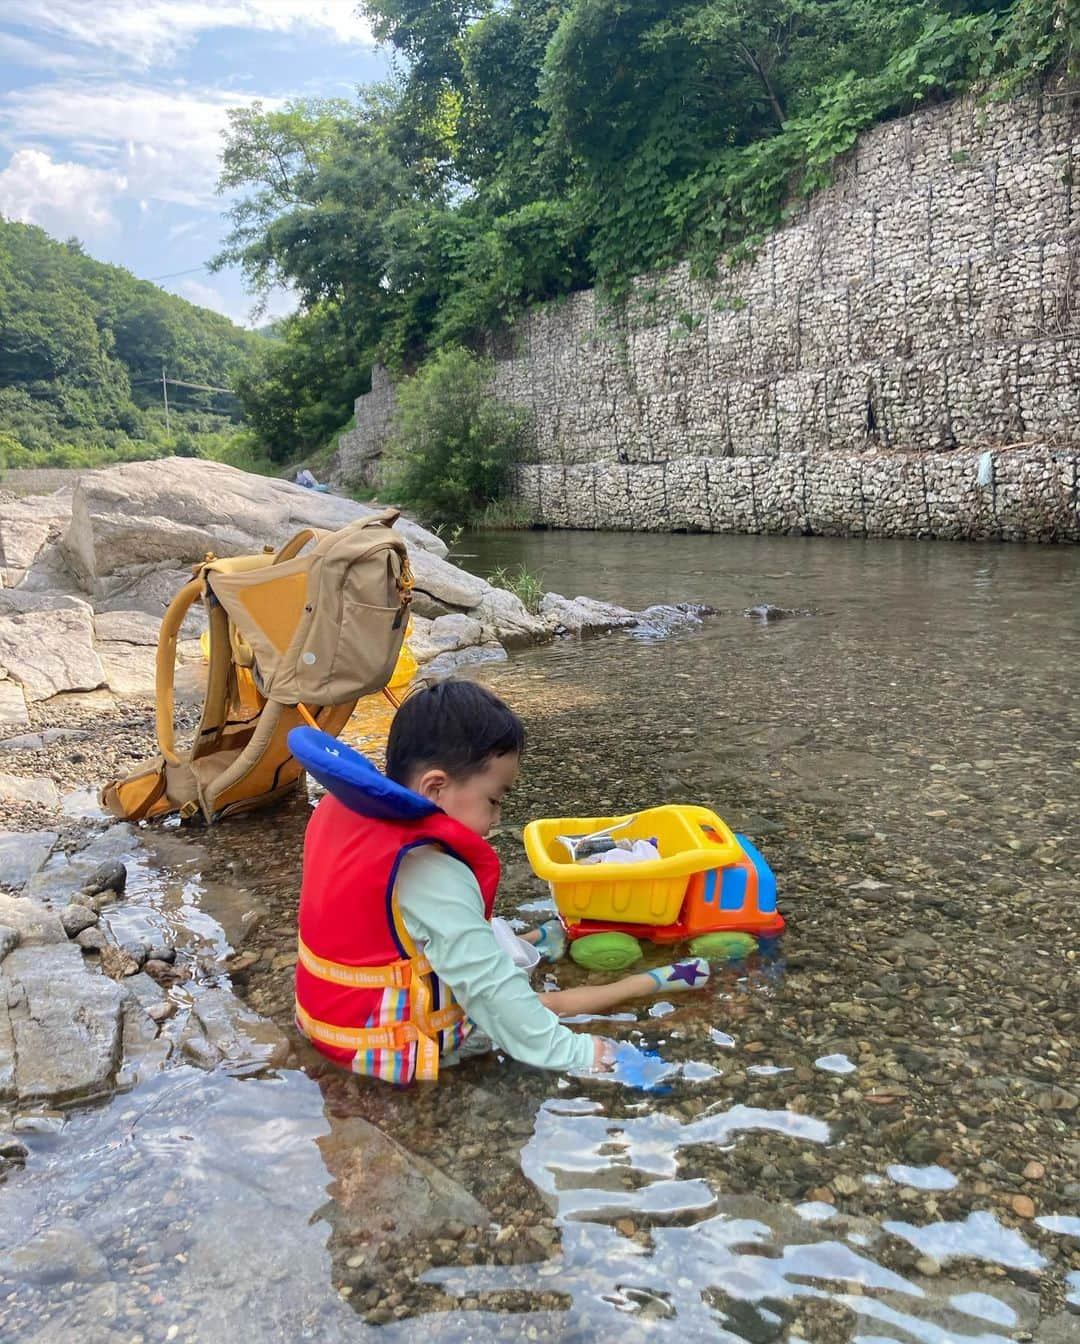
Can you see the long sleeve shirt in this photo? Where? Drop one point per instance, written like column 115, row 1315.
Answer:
column 440, row 902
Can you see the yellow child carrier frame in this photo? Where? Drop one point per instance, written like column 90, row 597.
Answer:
column 294, row 638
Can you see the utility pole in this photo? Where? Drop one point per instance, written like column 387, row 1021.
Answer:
column 165, row 394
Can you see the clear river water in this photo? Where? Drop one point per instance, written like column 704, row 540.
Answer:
column 870, row 1136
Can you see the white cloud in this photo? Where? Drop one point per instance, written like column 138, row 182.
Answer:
column 163, row 141
column 156, row 31
column 64, row 198
column 240, row 310
column 206, row 296
column 18, row 51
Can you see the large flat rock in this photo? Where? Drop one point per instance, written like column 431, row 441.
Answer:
column 66, row 1023
column 172, row 511
column 48, row 652
column 127, row 627
column 26, row 525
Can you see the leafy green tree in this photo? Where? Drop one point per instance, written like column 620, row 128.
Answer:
column 453, row 444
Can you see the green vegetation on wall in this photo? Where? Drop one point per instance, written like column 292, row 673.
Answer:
column 452, row 444
column 533, row 147
column 82, row 347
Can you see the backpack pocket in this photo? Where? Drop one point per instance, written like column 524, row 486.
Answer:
column 368, row 642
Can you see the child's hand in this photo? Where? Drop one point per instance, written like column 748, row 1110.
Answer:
column 603, row 1055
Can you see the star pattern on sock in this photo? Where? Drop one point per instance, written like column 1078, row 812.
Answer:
column 687, row 971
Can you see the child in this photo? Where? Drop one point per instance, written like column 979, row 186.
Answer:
column 397, row 957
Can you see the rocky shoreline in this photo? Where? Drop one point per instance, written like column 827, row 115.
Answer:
column 87, row 573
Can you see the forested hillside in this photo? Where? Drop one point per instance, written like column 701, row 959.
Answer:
column 82, row 347
column 532, row 147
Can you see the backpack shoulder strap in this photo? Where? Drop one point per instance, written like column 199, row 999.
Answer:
column 165, row 667
column 296, row 544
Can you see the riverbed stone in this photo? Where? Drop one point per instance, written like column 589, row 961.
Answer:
column 30, row 920
column 455, row 632
column 26, row 525
column 9, row 940
column 48, row 652
column 76, row 918
column 584, row 615
column 509, row 619
column 234, row 1033
column 447, row 664
column 63, row 1252
column 22, row 742
column 65, row 1021
column 93, row 869
column 130, row 669
column 379, row 1191
column 92, row 940
column 21, row 855
column 28, row 789
column 13, row 712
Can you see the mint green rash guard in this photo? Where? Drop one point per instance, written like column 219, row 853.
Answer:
column 440, row 902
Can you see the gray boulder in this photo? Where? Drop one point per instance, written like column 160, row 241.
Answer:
column 223, row 1028
column 170, row 512
column 9, row 940
column 506, row 615
column 127, row 627
column 584, row 615
column 441, row 587
column 26, row 525
column 75, row 918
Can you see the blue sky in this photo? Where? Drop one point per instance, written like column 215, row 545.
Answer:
column 111, row 114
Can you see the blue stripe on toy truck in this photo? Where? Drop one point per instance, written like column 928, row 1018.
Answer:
column 766, row 880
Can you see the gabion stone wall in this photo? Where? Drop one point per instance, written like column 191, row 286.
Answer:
column 1012, row 494
column 928, row 302
column 359, row 449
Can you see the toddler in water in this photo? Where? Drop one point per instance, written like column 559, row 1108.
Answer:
column 398, row 960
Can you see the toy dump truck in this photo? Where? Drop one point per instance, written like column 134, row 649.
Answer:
column 706, row 882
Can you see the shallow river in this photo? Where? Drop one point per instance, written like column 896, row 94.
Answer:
column 871, row 1136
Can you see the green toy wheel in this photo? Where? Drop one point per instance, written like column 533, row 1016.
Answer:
column 724, row 946
column 605, row 951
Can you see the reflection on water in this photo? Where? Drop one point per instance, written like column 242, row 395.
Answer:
column 866, row 1136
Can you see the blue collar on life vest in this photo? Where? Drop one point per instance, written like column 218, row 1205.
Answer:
column 353, row 780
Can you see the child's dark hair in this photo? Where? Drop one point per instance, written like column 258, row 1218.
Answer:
column 455, row 726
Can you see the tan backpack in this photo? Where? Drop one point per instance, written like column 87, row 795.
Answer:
column 293, row 638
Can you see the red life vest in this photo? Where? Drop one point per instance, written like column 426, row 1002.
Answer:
column 364, row 997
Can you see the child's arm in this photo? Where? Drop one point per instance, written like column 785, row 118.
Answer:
column 440, row 902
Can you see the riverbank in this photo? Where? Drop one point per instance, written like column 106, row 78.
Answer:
column 873, row 1133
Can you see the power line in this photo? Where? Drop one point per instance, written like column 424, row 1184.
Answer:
column 153, row 279
column 199, row 387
